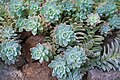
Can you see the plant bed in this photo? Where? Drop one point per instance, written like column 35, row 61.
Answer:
column 59, row 39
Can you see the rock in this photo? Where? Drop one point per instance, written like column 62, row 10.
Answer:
column 25, row 35
column 10, row 73
column 20, row 61
column 29, row 43
column 100, row 75
column 37, row 71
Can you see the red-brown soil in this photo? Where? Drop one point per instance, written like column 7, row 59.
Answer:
column 37, row 71
column 29, row 43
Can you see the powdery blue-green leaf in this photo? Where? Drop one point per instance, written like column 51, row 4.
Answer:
column 60, row 69
column 75, row 74
column 40, row 53
column 64, row 35
column 115, row 22
column 107, row 9
column 75, row 57
column 16, row 7
column 7, row 33
column 93, row 19
column 33, row 24
column 10, row 51
column 51, row 11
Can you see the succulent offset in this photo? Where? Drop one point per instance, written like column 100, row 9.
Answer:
column 105, row 29
column 33, row 24
column 40, row 53
column 10, row 51
column 64, row 35
column 34, row 8
column 7, row 33
column 20, row 24
column 68, row 6
column 115, row 22
column 60, row 69
column 107, row 9
column 51, row 11
column 75, row 74
column 75, row 57
column 16, row 7
column 85, row 7
column 93, row 19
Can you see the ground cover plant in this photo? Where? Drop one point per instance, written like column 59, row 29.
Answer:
column 79, row 35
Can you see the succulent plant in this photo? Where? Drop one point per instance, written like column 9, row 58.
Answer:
column 3, row 10
column 16, row 7
column 40, row 53
column 85, row 7
column 75, row 74
column 68, row 6
column 9, row 51
column 107, row 9
column 7, row 33
column 93, row 19
column 115, row 22
column 105, row 28
column 75, row 33
column 110, row 58
column 33, row 24
column 81, row 16
column 86, row 4
column 20, row 24
column 75, row 56
column 34, row 8
column 64, row 35
column 51, row 11
column 60, row 69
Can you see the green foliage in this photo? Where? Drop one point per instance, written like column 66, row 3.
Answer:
column 84, row 4
column 75, row 57
column 87, row 38
column 74, row 31
column 115, row 22
column 40, row 53
column 60, row 68
column 68, row 6
column 110, row 59
column 2, row 9
column 99, row 1
column 85, row 7
column 34, row 8
column 75, row 74
column 9, row 51
column 64, row 35
column 16, row 7
column 33, row 24
column 93, row 19
column 67, row 66
column 9, row 48
column 81, row 16
column 51, row 11
column 20, row 24
column 7, row 33
column 107, row 9
column 105, row 29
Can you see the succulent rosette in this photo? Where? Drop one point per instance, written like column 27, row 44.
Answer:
column 40, row 53
column 9, row 51
column 51, row 11
column 75, row 57
column 33, row 24
column 64, row 35
column 93, row 19
column 60, row 69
